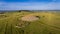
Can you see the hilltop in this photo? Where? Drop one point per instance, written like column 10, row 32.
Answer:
column 47, row 23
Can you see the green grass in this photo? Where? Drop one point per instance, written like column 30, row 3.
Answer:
column 49, row 23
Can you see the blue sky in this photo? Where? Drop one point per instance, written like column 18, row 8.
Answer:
column 29, row 4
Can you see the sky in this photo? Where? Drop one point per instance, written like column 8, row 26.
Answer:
column 29, row 4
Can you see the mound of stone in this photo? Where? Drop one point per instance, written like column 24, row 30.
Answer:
column 29, row 18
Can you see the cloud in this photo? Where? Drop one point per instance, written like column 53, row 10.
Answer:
column 29, row 6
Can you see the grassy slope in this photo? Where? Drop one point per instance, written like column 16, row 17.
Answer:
column 49, row 23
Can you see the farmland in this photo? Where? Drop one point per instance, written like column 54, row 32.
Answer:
column 48, row 23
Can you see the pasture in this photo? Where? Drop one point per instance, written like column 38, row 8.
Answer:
column 48, row 23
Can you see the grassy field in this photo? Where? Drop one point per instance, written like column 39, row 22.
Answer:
column 49, row 23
